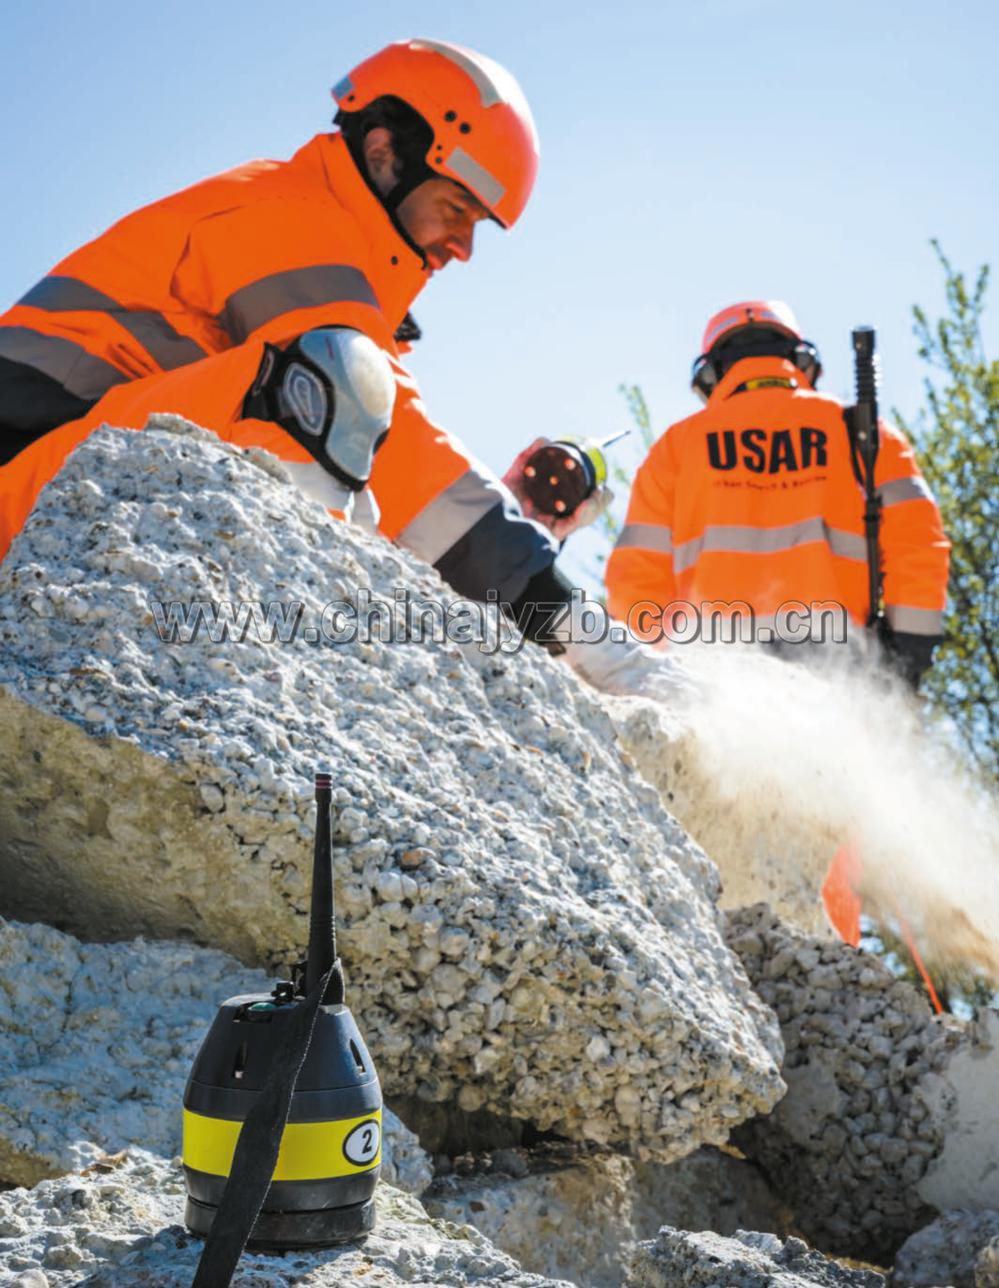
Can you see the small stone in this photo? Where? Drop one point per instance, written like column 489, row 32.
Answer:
column 415, row 858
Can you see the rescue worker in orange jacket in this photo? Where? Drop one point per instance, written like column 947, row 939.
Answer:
column 263, row 304
column 756, row 499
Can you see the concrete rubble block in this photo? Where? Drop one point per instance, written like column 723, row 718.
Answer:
column 579, row 1218
column 524, row 927
column 963, row 1096
column 679, row 1259
column 98, row 1040
column 120, row 1224
column 889, row 1115
column 766, row 848
column 952, row 1250
column 987, row 1265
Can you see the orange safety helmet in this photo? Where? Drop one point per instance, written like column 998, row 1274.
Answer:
column 483, row 132
column 764, row 316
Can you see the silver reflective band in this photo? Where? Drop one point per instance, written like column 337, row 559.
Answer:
column 161, row 341
column 737, row 539
column 363, row 395
column 70, row 364
column 294, row 288
column 306, row 398
column 914, row 621
column 444, row 521
column 342, row 88
column 645, row 536
column 474, row 176
column 489, row 92
column 914, row 488
column 66, row 295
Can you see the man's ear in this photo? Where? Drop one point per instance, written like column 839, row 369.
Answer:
column 379, row 157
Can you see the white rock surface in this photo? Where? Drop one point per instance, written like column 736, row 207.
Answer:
column 987, row 1265
column 965, row 1098
column 98, row 1040
column 874, row 1102
column 767, row 848
column 121, row 1225
column 512, row 895
column 954, row 1250
column 679, row 1259
column 581, row 1221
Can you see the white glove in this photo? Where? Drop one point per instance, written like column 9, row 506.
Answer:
column 627, row 668
column 591, row 509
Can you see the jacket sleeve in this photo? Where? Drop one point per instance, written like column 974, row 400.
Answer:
column 914, row 549
column 450, row 510
column 274, row 269
column 640, row 568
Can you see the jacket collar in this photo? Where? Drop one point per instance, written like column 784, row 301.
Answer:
column 399, row 272
column 758, row 369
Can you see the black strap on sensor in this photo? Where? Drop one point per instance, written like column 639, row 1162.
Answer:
column 257, row 1148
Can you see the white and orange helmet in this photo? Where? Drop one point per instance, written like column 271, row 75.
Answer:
column 772, row 320
column 483, row 132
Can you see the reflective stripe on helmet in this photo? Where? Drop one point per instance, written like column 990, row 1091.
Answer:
column 475, row 176
column 268, row 297
column 774, row 313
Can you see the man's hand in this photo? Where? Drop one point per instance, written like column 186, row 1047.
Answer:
column 591, row 509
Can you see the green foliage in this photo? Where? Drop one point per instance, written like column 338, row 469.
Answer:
column 619, row 477
column 956, row 436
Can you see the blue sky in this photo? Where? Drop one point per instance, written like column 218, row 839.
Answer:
column 692, row 155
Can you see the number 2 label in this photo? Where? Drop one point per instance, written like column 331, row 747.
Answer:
column 361, row 1146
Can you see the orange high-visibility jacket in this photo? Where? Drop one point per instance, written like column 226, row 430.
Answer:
column 261, row 253
column 754, row 499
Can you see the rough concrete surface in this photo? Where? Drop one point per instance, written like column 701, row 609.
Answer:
column 987, row 1265
column 965, row 1096
column 525, row 929
column 120, row 1224
column 578, row 1218
column 98, row 1040
column 952, row 1250
column 679, row 1259
column 863, row 1122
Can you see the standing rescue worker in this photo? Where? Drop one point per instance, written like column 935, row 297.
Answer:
column 757, row 499
column 263, row 304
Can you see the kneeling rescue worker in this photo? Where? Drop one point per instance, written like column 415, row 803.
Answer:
column 757, row 498
column 264, row 304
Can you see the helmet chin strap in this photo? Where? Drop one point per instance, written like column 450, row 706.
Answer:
column 410, row 179
column 414, row 173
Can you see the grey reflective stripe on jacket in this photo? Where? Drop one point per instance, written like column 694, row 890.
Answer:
column 445, row 520
column 914, row 621
column 294, row 288
column 169, row 349
column 913, row 488
column 63, row 360
column 476, row 536
column 645, row 536
column 724, row 538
